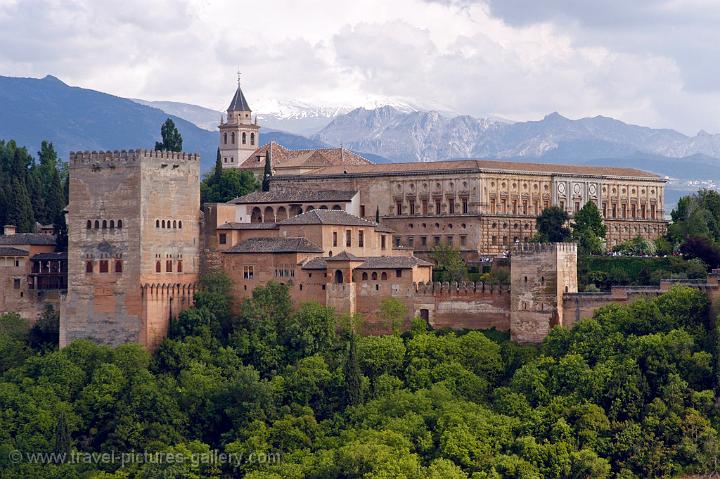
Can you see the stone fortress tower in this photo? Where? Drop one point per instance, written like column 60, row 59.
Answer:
column 133, row 244
column 540, row 274
column 239, row 135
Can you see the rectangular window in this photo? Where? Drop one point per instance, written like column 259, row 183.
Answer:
column 546, row 204
column 505, row 241
column 438, row 207
column 632, row 211
column 398, row 273
column 397, row 241
column 492, row 206
column 562, row 205
column 168, row 266
column 493, row 240
column 398, row 208
column 179, row 268
column 436, row 240
column 334, row 238
column 624, row 211
column 412, row 207
column 524, row 207
column 423, row 241
column 424, row 207
column 503, row 206
column 450, row 240
column 361, row 238
column 652, row 212
column 514, row 207
column 604, row 210
column 465, row 206
column 118, row 266
column 362, row 211
column 348, row 238
column 463, row 240
column 614, row 211
column 382, row 241
column 104, row 266
column 88, row 266
column 248, row 272
column 577, row 206
column 642, row 211
column 451, row 206
column 223, row 238
column 16, row 283
column 411, row 241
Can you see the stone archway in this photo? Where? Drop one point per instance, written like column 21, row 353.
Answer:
column 269, row 215
column 296, row 210
column 281, row 214
column 338, row 276
column 256, row 215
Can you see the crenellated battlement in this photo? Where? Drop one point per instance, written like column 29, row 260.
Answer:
column 460, row 289
column 79, row 159
column 535, row 248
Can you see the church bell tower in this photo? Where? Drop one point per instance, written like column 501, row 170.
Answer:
column 239, row 135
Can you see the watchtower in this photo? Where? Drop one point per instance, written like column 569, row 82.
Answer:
column 133, row 253
column 539, row 276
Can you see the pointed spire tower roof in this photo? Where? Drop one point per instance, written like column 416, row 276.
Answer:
column 239, row 103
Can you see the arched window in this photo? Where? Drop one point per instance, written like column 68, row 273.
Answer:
column 118, row 266
column 179, row 266
column 232, row 137
column 252, row 138
column 168, row 266
column 225, row 138
column 374, row 276
column 180, row 224
column 244, row 138
column 97, row 224
column 88, row 266
column 174, row 224
column 269, row 215
column 157, row 223
column 112, row 224
column 157, row 267
column 104, row 224
column 119, row 224
column 168, row 224
column 256, row 215
column 89, row 224
column 163, row 223
column 383, row 276
column 364, row 276
column 338, row 276
column 336, row 207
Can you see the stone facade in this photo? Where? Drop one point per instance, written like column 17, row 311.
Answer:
column 540, row 274
column 486, row 207
column 133, row 248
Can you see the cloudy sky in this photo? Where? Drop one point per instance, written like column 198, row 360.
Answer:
column 651, row 62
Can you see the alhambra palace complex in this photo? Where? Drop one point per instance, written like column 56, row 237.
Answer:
column 139, row 238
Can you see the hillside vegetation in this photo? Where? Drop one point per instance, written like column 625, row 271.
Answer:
column 628, row 393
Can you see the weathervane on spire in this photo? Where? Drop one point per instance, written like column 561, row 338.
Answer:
column 239, row 76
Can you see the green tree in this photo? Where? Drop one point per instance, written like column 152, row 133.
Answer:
column 392, row 312
column 171, row 138
column 267, row 174
column 20, row 212
column 217, row 172
column 552, row 225
column 353, row 374
column 588, row 229
column 228, row 185
column 62, row 435
column 450, row 262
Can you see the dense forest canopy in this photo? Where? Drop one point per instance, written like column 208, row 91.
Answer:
column 626, row 394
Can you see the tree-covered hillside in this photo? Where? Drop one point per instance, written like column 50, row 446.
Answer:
column 295, row 394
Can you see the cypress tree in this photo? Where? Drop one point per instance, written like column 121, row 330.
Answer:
column 377, row 214
column 20, row 212
column 353, row 376
column 62, row 436
column 171, row 138
column 268, row 169
column 218, row 167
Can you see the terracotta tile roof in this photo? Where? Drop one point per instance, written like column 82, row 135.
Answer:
column 344, row 256
column 7, row 251
column 392, row 262
column 50, row 256
column 248, row 226
column 372, row 262
column 315, row 158
column 28, row 238
column 328, row 217
column 475, row 165
column 294, row 195
column 275, row 245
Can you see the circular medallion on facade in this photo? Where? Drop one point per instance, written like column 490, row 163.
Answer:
column 576, row 188
column 592, row 190
column 561, row 188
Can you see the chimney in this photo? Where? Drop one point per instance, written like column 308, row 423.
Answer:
column 9, row 230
